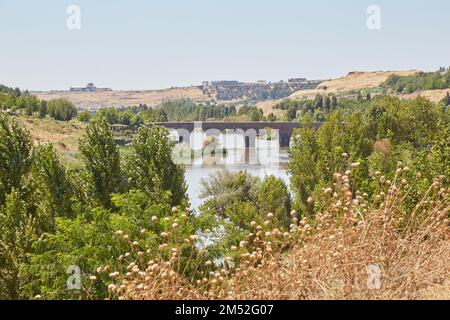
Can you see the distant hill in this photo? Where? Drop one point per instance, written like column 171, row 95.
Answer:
column 264, row 94
column 92, row 98
column 95, row 100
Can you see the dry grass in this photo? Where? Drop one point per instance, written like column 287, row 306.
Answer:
column 63, row 135
column 361, row 80
column 353, row 81
column 267, row 108
column 95, row 100
column 432, row 95
column 327, row 256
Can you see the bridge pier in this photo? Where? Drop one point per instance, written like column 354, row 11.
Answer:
column 285, row 140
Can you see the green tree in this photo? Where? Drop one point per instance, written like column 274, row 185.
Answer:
column 90, row 241
column 17, row 233
column 241, row 214
column 110, row 114
column 162, row 115
column 43, row 108
column 125, row 117
column 255, row 115
column 271, row 117
column 84, row 116
column 274, row 197
column 224, row 187
column 102, row 161
column 15, row 155
column 52, row 186
column 291, row 113
column 304, row 154
column 437, row 162
column 318, row 102
column 331, row 140
column 334, row 102
column 32, row 104
column 327, row 103
column 7, row 101
column 150, row 167
column 62, row 109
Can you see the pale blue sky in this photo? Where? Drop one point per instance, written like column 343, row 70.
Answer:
column 146, row 44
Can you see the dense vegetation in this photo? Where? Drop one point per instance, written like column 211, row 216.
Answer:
column 421, row 81
column 318, row 108
column 377, row 167
column 47, row 209
column 188, row 111
column 174, row 111
column 14, row 100
column 131, row 116
column 375, row 138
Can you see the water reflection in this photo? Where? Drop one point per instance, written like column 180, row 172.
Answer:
column 263, row 159
column 256, row 165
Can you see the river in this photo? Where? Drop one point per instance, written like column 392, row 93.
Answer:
column 265, row 159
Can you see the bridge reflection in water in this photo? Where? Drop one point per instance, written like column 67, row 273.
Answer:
column 250, row 131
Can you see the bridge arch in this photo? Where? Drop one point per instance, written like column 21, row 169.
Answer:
column 249, row 130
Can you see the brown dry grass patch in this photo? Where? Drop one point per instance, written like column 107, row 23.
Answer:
column 63, row 135
column 331, row 255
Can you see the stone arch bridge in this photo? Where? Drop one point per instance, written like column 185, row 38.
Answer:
column 250, row 130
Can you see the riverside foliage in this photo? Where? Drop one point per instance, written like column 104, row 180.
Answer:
column 370, row 187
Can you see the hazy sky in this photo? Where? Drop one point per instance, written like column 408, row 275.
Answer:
column 145, row 44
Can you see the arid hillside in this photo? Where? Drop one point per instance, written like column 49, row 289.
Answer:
column 353, row 81
column 359, row 80
column 95, row 100
column 432, row 95
column 63, row 135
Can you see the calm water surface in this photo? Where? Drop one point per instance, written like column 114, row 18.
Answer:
column 260, row 163
column 264, row 160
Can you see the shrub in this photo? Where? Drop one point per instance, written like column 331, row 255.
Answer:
column 62, row 109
